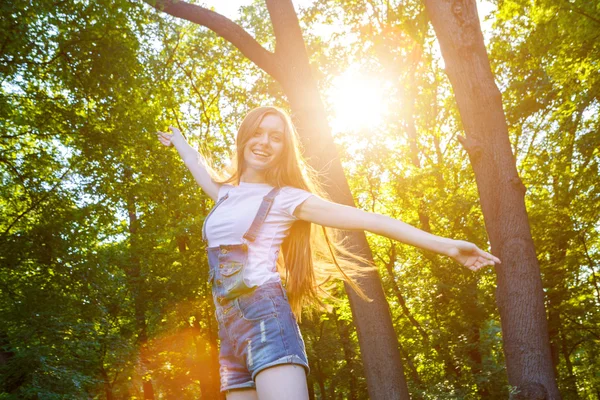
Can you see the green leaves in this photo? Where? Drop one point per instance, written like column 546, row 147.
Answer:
column 102, row 265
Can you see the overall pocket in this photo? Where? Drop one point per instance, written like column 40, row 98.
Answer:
column 257, row 307
column 232, row 279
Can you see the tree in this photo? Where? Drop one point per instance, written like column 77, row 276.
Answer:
column 551, row 107
column 520, row 295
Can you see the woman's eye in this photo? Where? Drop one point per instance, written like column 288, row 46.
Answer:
column 257, row 134
column 276, row 138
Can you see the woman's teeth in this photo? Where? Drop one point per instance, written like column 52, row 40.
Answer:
column 260, row 153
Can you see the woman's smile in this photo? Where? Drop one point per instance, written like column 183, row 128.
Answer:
column 261, row 153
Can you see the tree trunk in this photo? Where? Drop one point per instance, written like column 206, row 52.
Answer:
column 289, row 65
column 135, row 280
column 449, row 366
column 108, row 389
column 377, row 339
column 343, row 332
column 411, row 129
column 320, row 377
column 556, row 274
column 570, row 381
column 311, row 391
column 520, row 296
column 10, row 384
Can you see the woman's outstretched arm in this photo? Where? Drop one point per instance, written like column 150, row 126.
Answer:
column 327, row 213
column 192, row 159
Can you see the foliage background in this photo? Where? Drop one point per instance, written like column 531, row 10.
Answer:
column 103, row 273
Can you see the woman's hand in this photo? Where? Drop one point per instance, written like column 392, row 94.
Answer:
column 192, row 159
column 470, row 255
column 167, row 138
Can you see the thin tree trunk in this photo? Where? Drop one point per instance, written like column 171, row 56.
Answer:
column 591, row 264
column 107, row 384
column 474, row 338
column 311, row 391
column 389, row 266
column 343, row 332
column 320, row 377
column 13, row 383
column 520, row 296
column 411, row 367
column 571, row 380
column 135, row 279
column 556, row 294
column 332, row 391
column 450, row 366
column 557, row 275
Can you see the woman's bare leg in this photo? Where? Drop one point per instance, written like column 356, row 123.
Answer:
column 242, row 394
column 286, row 381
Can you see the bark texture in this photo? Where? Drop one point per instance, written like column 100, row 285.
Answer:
column 289, row 65
column 519, row 294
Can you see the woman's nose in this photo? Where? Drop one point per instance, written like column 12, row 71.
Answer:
column 264, row 138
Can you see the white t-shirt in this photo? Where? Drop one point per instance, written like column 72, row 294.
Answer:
column 233, row 217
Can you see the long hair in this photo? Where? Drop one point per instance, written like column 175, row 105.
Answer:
column 310, row 256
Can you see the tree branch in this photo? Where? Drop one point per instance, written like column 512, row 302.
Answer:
column 580, row 12
column 224, row 27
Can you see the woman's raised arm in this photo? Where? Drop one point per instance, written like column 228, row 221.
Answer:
column 323, row 212
column 192, row 159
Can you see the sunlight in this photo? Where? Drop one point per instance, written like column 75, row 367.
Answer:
column 358, row 101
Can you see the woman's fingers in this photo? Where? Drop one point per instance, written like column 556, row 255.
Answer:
column 489, row 256
column 492, row 258
column 480, row 259
column 483, row 261
column 164, row 138
column 473, row 257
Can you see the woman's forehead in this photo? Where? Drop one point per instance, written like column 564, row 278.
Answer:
column 272, row 122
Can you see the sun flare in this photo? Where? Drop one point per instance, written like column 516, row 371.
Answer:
column 358, row 101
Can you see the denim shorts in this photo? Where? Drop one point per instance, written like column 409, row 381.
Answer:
column 257, row 330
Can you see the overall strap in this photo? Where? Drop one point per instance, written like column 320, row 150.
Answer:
column 222, row 199
column 261, row 215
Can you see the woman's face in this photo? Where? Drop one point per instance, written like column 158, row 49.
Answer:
column 265, row 146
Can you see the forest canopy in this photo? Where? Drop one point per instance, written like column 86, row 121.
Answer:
column 103, row 273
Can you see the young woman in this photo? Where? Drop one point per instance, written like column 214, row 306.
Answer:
column 268, row 203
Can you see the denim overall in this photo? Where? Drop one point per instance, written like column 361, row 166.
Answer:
column 257, row 329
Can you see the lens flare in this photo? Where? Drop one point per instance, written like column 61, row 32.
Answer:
column 358, row 102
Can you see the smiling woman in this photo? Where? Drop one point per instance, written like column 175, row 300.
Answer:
column 265, row 259
column 358, row 101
